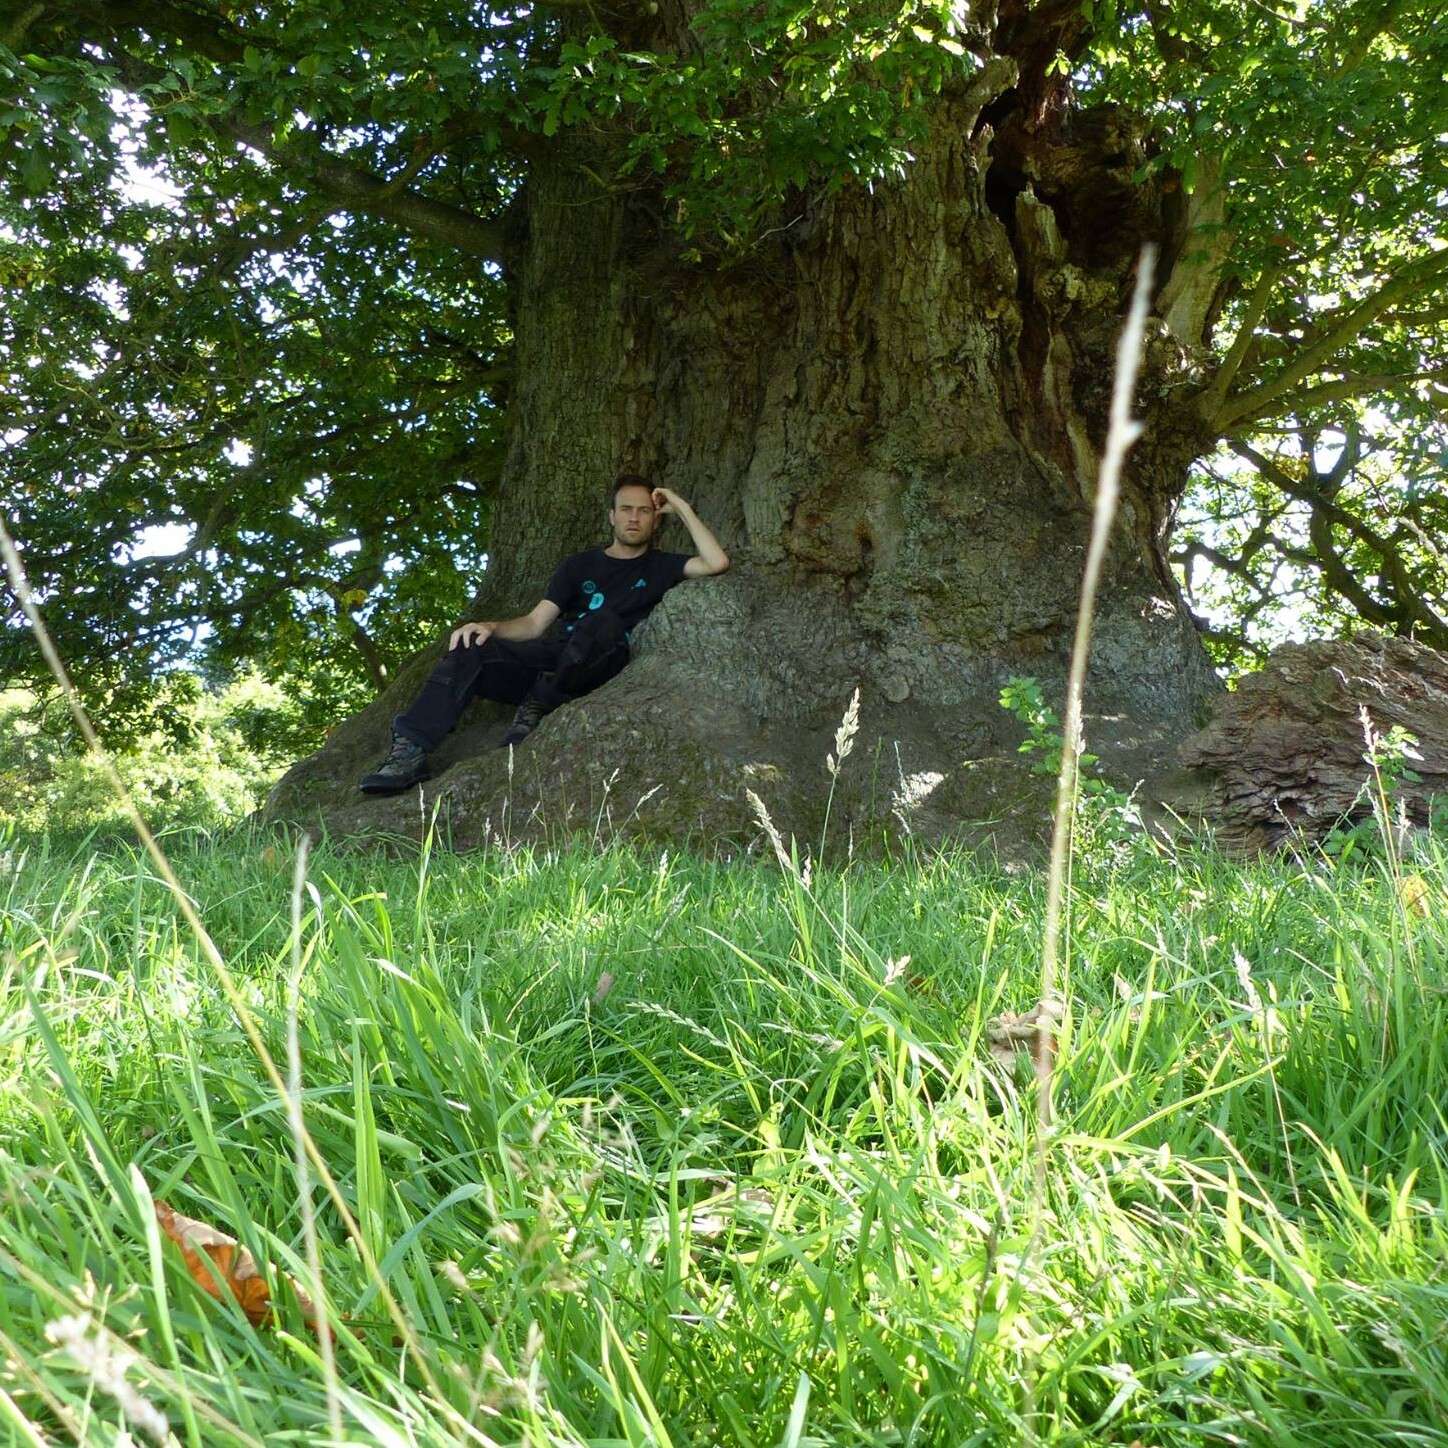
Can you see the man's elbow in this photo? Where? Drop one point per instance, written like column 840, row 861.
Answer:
column 721, row 565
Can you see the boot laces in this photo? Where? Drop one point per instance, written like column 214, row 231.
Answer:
column 402, row 750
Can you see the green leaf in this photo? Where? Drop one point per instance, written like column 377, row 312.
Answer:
column 35, row 173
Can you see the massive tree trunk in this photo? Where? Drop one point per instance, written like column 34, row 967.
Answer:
column 890, row 414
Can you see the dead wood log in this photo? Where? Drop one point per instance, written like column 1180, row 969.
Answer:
column 1283, row 757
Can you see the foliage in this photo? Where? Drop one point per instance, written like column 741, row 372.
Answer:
column 651, row 1149
column 204, row 758
column 1022, row 698
column 1325, row 530
column 1107, row 819
column 170, row 371
column 253, row 257
column 1319, row 130
column 1381, row 827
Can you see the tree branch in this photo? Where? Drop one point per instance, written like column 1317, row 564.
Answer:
column 1383, row 21
column 1346, row 388
column 1252, row 315
column 1185, row 302
column 195, row 26
column 1340, row 577
column 1350, row 456
column 1340, row 327
column 349, row 186
column 12, row 37
column 371, row 656
column 1238, row 567
column 357, row 189
column 1326, row 513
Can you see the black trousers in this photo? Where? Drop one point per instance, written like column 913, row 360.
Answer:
column 551, row 670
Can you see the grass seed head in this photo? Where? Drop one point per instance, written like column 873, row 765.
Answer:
column 761, row 813
column 106, row 1361
column 845, row 734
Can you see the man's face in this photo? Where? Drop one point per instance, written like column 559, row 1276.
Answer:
column 633, row 517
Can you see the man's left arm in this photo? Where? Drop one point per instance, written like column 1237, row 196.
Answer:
column 709, row 558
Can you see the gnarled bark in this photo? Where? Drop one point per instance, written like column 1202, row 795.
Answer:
column 890, row 416
column 1283, row 758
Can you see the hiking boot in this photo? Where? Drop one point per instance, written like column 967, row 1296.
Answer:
column 405, row 765
column 525, row 721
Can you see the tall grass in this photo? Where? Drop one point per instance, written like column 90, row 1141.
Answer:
column 654, row 1149
column 579, row 1147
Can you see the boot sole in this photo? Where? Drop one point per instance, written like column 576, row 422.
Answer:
column 390, row 787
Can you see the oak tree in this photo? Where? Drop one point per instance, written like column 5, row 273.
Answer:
column 351, row 295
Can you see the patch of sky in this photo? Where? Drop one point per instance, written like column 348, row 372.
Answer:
column 160, row 540
column 140, row 185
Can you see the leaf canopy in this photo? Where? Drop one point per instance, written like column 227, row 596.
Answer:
column 252, row 257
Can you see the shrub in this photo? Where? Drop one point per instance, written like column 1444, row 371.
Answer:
column 207, row 758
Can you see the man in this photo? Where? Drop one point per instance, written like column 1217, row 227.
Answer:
column 576, row 638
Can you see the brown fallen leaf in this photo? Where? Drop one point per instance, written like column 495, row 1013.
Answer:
column 1033, row 1031
column 232, row 1263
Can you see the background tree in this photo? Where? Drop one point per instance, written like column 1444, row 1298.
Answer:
column 1319, row 527
column 848, row 275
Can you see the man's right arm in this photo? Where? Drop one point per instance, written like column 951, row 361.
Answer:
column 525, row 626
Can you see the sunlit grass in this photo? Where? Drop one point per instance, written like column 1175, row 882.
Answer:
column 658, row 1149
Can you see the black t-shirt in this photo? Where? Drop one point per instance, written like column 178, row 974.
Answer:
column 629, row 586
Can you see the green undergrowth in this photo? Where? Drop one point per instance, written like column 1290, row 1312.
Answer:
column 655, row 1149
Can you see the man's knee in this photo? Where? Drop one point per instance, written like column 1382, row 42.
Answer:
column 599, row 636
column 464, row 659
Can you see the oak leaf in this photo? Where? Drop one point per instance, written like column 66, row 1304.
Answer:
column 210, row 1255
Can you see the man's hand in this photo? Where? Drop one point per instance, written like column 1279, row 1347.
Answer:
column 666, row 500
column 470, row 633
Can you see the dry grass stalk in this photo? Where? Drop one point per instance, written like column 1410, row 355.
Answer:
column 20, row 584
column 296, row 1124
column 1123, row 432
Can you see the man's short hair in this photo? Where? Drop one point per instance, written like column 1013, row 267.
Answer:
column 628, row 480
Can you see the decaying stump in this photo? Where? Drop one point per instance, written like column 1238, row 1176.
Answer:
column 1283, row 757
